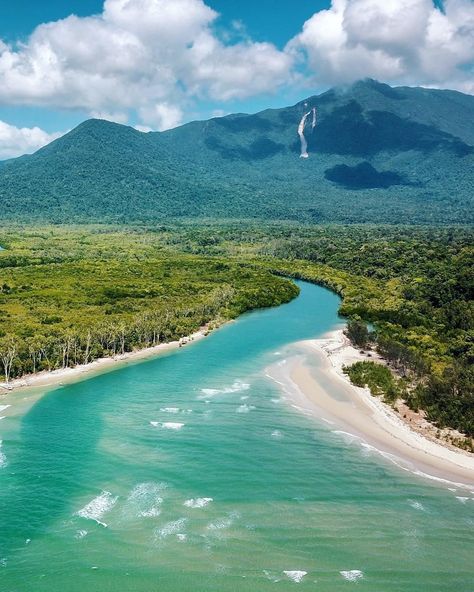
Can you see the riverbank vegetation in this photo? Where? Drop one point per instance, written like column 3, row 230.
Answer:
column 68, row 294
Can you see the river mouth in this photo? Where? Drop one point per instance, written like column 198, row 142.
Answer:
column 189, row 472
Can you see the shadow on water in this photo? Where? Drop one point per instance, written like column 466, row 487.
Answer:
column 58, row 452
column 47, row 463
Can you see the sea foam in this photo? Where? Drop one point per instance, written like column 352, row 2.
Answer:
column 236, row 387
column 416, row 505
column 223, row 523
column 295, row 575
column 167, row 425
column 98, row 507
column 171, row 528
column 199, row 502
column 245, row 408
column 3, row 458
column 145, row 500
column 352, row 575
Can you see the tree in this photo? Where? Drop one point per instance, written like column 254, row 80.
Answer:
column 7, row 356
column 357, row 331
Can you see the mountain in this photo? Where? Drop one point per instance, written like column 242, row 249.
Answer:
column 376, row 154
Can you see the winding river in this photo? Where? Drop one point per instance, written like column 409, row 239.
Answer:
column 190, row 472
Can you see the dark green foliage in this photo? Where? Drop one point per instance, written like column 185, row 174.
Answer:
column 378, row 378
column 357, row 332
column 110, row 292
column 377, row 155
column 448, row 398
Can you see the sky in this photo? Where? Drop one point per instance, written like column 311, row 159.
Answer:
column 155, row 64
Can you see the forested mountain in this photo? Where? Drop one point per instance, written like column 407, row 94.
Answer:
column 376, row 153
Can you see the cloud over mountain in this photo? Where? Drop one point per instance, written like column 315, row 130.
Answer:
column 401, row 41
column 151, row 62
column 152, row 56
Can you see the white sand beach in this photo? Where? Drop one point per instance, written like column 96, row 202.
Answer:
column 328, row 394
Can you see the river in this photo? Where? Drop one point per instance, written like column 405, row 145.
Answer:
column 190, row 472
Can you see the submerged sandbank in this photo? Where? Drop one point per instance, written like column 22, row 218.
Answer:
column 316, row 385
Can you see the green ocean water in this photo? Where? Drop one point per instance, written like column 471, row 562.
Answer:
column 191, row 472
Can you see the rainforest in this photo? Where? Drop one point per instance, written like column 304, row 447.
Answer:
column 69, row 295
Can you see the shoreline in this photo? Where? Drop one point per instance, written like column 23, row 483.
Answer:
column 50, row 378
column 355, row 413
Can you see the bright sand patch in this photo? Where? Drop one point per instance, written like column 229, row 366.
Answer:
column 330, row 396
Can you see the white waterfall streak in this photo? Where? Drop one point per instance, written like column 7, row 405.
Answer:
column 313, row 124
column 304, row 143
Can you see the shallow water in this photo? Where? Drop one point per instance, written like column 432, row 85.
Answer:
column 191, row 472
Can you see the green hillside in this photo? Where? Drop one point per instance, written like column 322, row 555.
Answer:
column 377, row 154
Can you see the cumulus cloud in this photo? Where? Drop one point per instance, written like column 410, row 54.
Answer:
column 401, row 41
column 150, row 56
column 150, row 61
column 15, row 141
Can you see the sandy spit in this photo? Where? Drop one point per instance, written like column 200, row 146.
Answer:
column 317, row 385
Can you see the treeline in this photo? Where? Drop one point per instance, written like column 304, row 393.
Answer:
column 414, row 285
column 81, row 345
column 112, row 294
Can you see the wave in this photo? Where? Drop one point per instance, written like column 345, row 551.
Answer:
column 175, row 410
column 295, row 575
column 352, row 575
column 171, row 528
column 236, row 387
column 98, row 507
column 199, row 502
column 80, row 534
column 145, row 500
column 3, row 458
column 3, row 407
column 245, row 408
column 167, row 425
column 416, row 505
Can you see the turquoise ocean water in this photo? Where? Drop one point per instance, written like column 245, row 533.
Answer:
column 190, row 473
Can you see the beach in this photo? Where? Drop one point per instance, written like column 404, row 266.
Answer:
column 317, row 385
column 60, row 376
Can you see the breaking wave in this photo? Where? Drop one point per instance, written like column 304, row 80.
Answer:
column 236, row 387
column 98, row 507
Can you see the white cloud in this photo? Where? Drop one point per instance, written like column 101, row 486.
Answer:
column 15, row 141
column 150, row 56
column 401, row 41
column 152, row 60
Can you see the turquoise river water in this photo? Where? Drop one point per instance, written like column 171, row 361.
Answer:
column 189, row 472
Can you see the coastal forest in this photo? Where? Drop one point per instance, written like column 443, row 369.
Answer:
column 72, row 294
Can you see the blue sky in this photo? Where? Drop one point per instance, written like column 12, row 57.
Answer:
column 155, row 64
column 275, row 21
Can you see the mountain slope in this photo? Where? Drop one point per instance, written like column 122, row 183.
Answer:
column 376, row 154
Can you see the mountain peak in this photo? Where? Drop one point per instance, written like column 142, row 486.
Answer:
column 374, row 153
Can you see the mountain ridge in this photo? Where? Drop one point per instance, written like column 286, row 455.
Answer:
column 377, row 153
